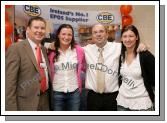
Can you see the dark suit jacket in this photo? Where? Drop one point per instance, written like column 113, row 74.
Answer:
column 22, row 84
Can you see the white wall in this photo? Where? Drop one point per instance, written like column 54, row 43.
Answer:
column 144, row 19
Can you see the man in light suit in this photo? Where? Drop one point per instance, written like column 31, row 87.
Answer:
column 23, row 73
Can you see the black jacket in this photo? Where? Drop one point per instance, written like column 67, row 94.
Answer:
column 147, row 63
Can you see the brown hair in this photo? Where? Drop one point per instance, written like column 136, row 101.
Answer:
column 133, row 29
column 35, row 18
column 57, row 42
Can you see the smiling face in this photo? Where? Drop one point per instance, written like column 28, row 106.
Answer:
column 36, row 31
column 65, row 36
column 99, row 34
column 129, row 39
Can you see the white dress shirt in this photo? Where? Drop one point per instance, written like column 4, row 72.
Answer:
column 132, row 93
column 111, row 55
column 33, row 46
column 65, row 77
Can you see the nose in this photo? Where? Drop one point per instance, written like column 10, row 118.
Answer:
column 127, row 38
column 39, row 30
column 66, row 37
column 98, row 34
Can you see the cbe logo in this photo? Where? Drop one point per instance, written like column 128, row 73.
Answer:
column 105, row 18
column 32, row 10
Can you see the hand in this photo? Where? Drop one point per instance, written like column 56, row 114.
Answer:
column 142, row 47
column 51, row 46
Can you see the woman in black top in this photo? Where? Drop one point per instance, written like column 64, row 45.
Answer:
column 136, row 74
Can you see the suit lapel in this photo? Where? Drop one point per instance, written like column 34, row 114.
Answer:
column 30, row 54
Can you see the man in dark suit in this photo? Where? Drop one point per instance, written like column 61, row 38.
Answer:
column 27, row 86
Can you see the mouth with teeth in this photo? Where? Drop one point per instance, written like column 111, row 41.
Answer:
column 39, row 35
column 99, row 38
column 128, row 43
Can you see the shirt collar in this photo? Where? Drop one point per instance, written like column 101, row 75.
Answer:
column 32, row 44
column 69, row 49
column 105, row 46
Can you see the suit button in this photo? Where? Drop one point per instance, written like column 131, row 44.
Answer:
column 38, row 95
